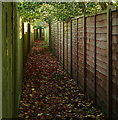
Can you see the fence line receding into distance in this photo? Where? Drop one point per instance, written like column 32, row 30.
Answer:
column 87, row 47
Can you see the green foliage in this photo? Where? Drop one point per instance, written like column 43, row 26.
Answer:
column 58, row 11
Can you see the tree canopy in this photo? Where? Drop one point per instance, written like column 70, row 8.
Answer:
column 47, row 12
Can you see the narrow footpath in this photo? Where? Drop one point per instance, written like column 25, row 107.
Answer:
column 49, row 93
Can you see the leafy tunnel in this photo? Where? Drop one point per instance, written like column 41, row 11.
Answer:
column 58, row 60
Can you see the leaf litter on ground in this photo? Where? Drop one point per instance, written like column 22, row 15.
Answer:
column 49, row 93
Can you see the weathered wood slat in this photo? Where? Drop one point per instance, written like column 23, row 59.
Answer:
column 87, row 50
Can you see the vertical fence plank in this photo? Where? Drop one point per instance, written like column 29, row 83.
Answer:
column 109, row 71
column 90, row 62
column 80, row 53
column 74, row 49
column 101, row 61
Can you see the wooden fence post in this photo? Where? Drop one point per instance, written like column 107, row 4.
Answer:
column 67, row 43
column 57, row 41
column 28, row 37
column 54, row 39
column 1, row 61
column 109, row 72
column 60, row 41
column 71, row 47
column 23, row 43
column 50, row 41
column 95, row 61
column 77, row 50
column 40, row 33
column 63, row 46
column 37, row 33
column 84, row 35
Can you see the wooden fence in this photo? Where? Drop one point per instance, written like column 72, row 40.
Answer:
column 87, row 47
column 17, row 40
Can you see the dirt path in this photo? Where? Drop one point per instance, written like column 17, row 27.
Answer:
column 49, row 93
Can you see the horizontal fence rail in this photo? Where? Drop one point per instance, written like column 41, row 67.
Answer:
column 87, row 47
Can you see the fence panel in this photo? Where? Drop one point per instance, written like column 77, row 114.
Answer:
column 80, row 52
column 74, row 48
column 65, row 46
column 62, row 46
column 114, row 64
column 52, row 38
column 56, row 39
column 90, row 58
column 101, row 60
column 85, row 52
column 59, row 41
column 31, row 36
column 69, row 47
